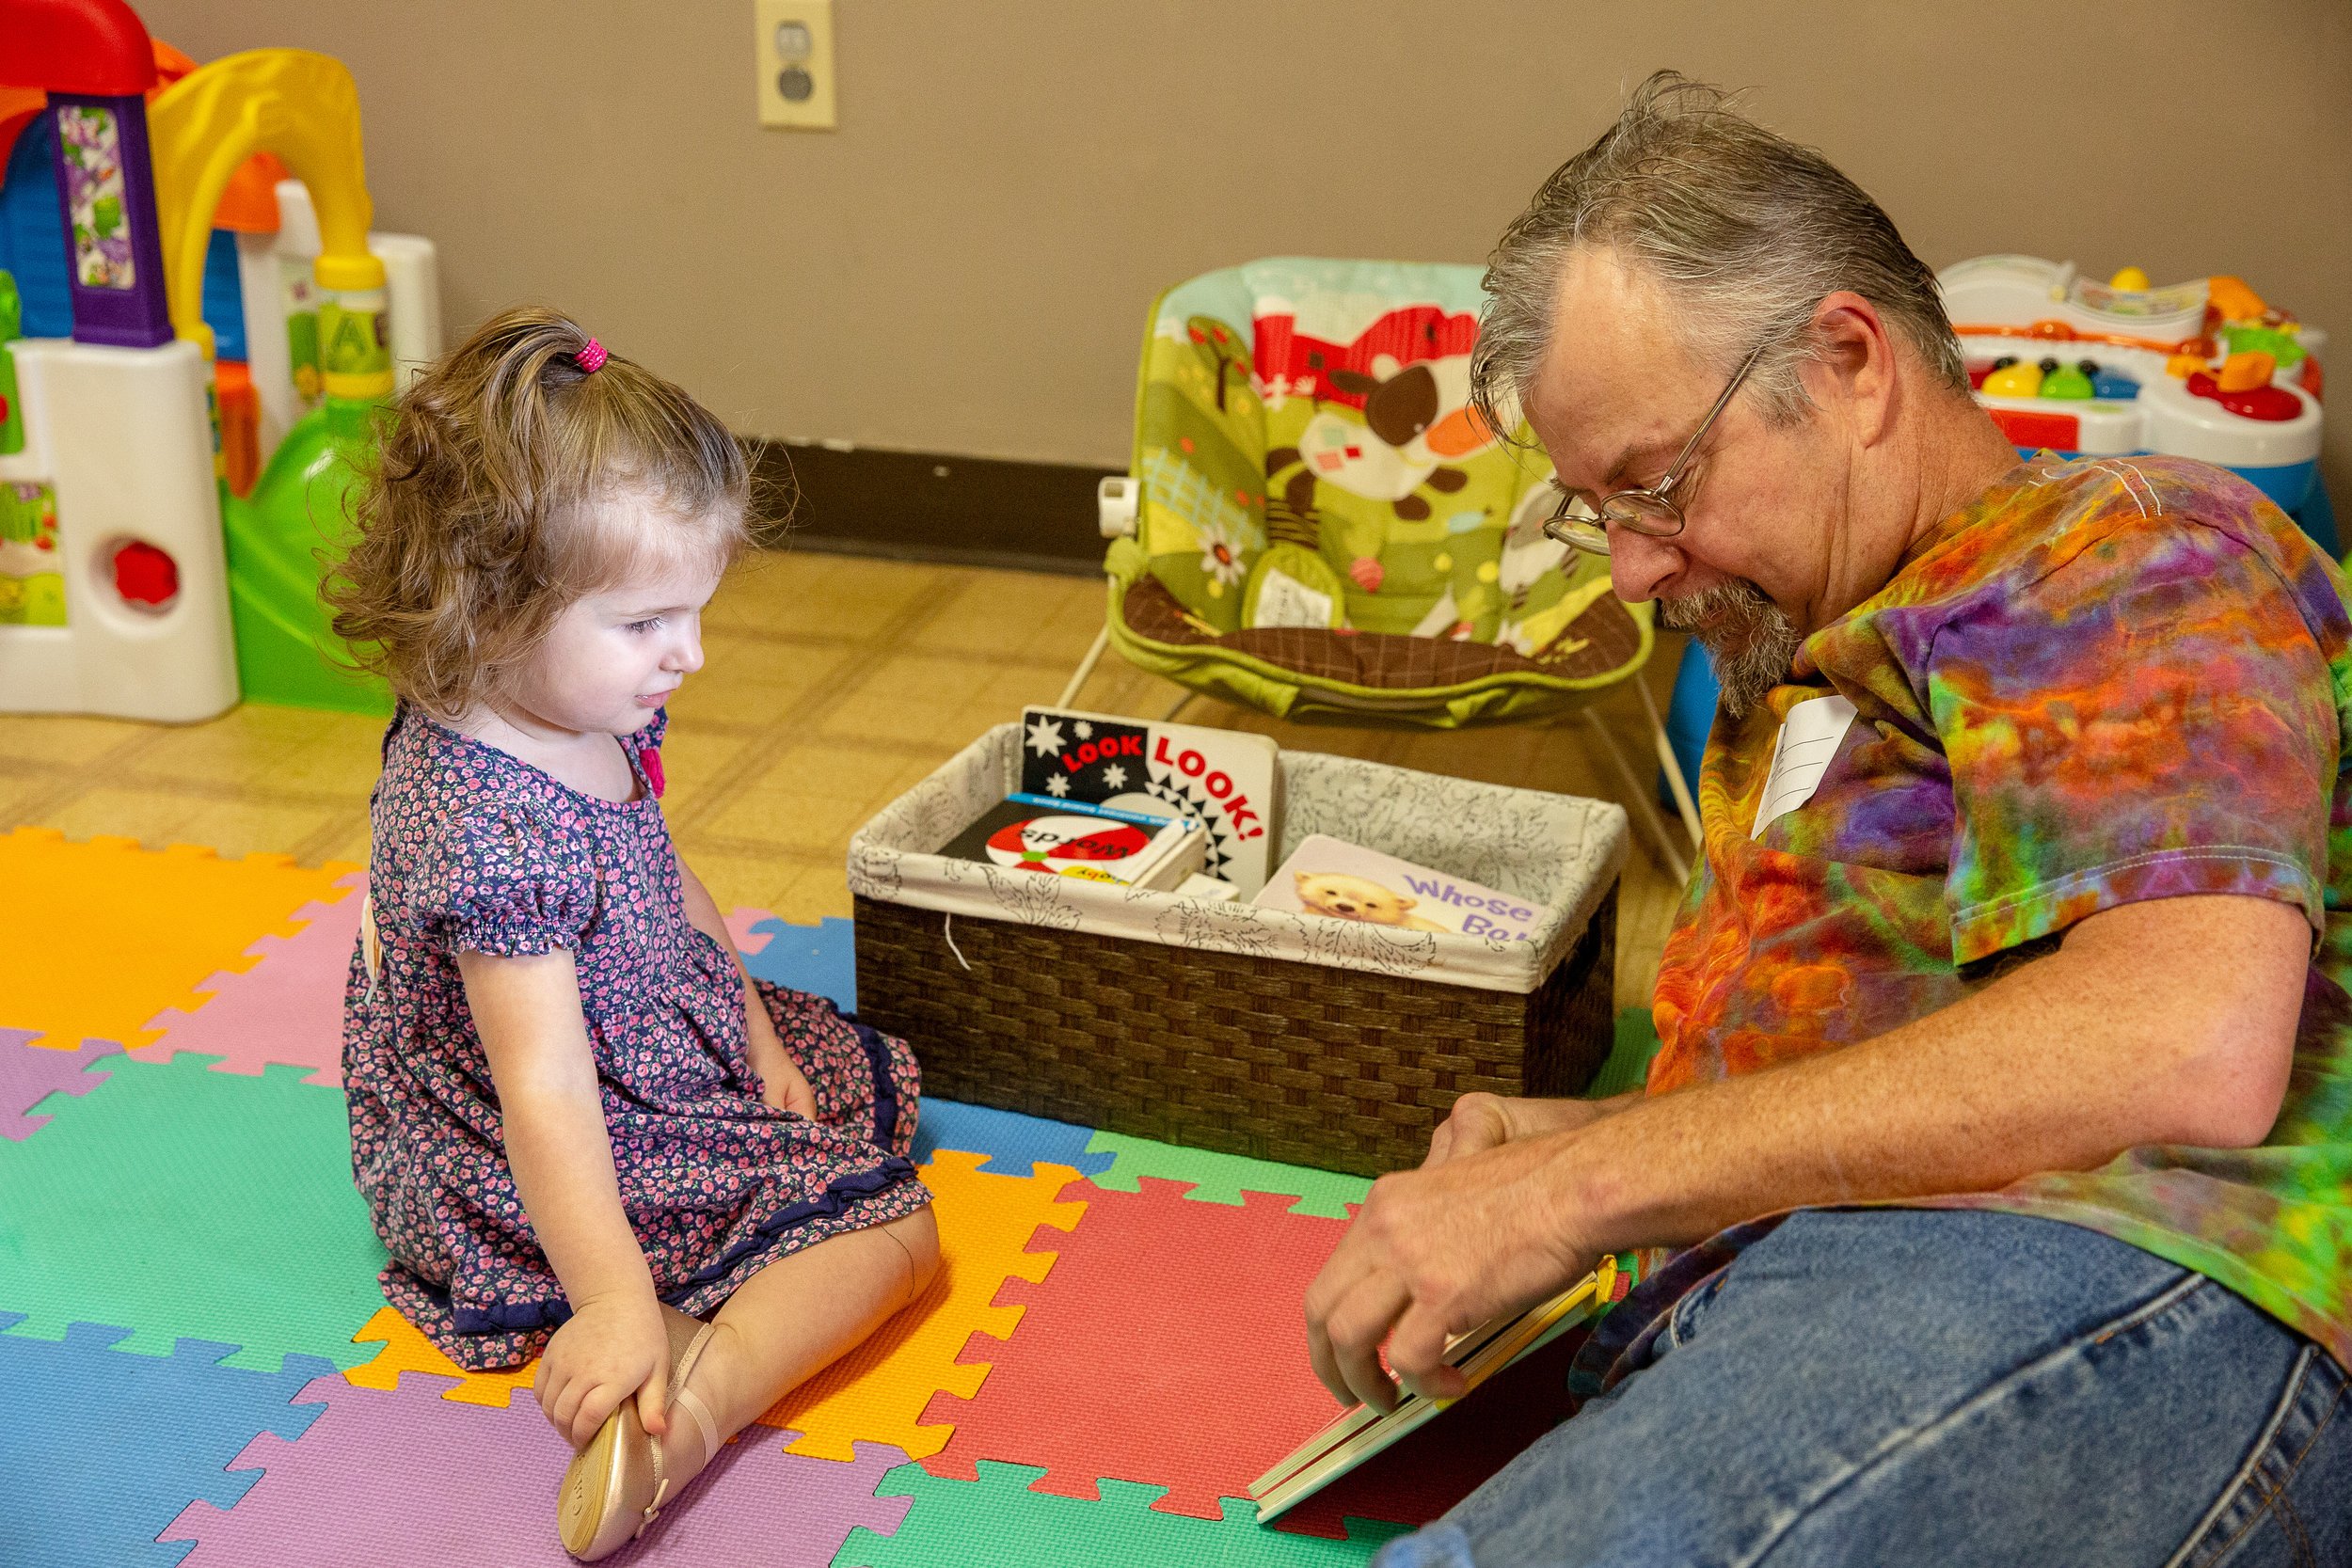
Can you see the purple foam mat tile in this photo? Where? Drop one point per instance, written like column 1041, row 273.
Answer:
column 400, row 1478
column 31, row 1074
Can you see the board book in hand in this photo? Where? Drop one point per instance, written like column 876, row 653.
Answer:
column 1228, row 778
column 1099, row 844
column 1332, row 876
column 1361, row 1432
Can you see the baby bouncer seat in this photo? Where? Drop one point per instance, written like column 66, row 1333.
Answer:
column 1320, row 525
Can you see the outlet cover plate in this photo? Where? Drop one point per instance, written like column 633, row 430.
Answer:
column 793, row 51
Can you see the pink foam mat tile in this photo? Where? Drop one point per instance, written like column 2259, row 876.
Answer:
column 404, row 1477
column 29, row 1075
column 741, row 926
column 287, row 1008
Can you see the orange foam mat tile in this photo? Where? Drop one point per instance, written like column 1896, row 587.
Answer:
column 406, row 1350
column 877, row 1393
column 103, row 935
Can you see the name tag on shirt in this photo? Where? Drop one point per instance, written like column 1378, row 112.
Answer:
column 1808, row 739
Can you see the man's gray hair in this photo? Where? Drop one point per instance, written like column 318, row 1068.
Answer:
column 1746, row 232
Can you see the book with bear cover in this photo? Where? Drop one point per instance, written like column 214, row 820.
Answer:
column 1360, row 1431
column 1093, row 843
column 1228, row 778
column 1332, row 876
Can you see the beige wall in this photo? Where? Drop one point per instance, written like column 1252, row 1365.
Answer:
column 963, row 266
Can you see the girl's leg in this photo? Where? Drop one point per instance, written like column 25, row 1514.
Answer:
column 792, row 1318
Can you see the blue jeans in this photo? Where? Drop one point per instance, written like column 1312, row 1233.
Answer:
column 1920, row 1386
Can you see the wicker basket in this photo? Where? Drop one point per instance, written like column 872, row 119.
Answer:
column 1290, row 1037
column 1270, row 1058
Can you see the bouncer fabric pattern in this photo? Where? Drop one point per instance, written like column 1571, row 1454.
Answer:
column 1327, row 528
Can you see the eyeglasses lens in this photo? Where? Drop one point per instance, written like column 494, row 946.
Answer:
column 1642, row 513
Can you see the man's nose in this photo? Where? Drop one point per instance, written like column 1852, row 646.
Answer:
column 1638, row 563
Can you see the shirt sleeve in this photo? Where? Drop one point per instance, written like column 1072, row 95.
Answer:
column 510, row 886
column 2151, row 718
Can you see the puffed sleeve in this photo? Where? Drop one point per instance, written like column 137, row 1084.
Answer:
column 507, row 882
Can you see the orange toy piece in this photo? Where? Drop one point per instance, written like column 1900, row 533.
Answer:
column 250, row 205
column 2242, row 372
column 876, row 1393
column 2233, row 299
column 240, row 409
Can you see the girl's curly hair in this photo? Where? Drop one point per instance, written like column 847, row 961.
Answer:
column 480, row 519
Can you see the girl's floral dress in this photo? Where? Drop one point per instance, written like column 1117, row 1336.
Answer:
column 477, row 850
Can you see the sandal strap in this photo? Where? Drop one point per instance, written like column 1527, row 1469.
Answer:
column 692, row 1403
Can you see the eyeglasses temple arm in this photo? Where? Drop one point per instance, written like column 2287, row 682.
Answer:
column 1673, row 471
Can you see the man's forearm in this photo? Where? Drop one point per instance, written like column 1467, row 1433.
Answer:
column 2059, row 1066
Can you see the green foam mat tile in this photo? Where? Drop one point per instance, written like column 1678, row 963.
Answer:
column 998, row 1522
column 1223, row 1178
column 180, row 1202
column 1627, row 1067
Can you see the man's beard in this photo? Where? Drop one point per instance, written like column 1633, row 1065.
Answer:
column 1750, row 641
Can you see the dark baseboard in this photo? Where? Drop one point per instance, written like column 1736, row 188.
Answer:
column 927, row 506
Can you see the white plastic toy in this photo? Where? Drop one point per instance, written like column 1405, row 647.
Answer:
column 2204, row 369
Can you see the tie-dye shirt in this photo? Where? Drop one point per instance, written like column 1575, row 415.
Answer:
column 2103, row 681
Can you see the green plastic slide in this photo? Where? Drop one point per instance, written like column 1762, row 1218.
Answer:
column 279, row 540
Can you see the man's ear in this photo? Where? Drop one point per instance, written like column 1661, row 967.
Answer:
column 1853, row 363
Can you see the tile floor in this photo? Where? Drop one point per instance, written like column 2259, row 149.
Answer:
column 833, row 683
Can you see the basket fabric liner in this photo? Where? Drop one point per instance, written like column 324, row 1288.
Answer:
column 1560, row 852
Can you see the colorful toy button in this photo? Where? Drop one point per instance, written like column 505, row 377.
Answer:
column 2112, row 386
column 2068, row 381
column 2012, row 378
column 2243, row 386
column 2280, row 342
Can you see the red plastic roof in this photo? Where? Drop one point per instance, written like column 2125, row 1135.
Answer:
column 89, row 46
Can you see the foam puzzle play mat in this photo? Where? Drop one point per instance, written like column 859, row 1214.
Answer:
column 188, row 1297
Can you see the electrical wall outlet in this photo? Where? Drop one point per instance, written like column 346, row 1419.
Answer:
column 793, row 51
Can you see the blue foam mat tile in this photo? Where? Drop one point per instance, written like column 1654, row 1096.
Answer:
column 104, row 1449
column 821, row 959
column 1013, row 1143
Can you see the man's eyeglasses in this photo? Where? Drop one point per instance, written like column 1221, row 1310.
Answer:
column 1655, row 510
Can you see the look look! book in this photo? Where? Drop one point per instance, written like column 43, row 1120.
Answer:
column 1230, row 779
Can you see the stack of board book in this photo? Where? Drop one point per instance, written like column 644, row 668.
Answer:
column 1078, row 838
column 1360, row 1431
column 1230, row 779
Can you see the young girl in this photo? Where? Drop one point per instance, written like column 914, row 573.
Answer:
column 582, row 1127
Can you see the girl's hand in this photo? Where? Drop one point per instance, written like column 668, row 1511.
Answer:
column 612, row 1347
column 784, row 1086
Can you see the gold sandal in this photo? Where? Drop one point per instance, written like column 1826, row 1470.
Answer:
column 614, row 1488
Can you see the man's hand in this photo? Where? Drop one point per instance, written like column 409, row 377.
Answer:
column 1482, row 1121
column 612, row 1347
column 1433, row 1253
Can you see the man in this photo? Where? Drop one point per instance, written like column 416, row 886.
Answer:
column 2003, row 1109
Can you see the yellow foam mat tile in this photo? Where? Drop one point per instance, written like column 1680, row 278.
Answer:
column 405, row 1350
column 876, row 1394
column 103, row 935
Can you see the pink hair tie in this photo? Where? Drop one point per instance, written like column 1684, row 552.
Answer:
column 591, row 358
